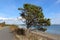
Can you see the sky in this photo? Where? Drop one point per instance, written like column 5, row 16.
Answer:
column 51, row 8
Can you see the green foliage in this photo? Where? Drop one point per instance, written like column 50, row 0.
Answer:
column 34, row 15
column 42, row 29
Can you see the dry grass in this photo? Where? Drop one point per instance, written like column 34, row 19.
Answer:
column 31, row 36
column 13, row 27
column 27, row 36
column 1, row 28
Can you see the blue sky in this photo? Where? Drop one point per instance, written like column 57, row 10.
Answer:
column 51, row 8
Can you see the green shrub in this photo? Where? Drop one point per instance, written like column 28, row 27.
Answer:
column 42, row 29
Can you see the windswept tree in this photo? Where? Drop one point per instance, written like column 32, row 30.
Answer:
column 34, row 16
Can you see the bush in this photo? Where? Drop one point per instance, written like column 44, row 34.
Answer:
column 42, row 29
column 20, row 31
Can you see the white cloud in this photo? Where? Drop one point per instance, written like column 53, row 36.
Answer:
column 19, row 18
column 55, row 18
column 2, row 18
column 55, row 21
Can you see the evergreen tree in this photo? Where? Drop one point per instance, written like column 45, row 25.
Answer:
column 34, row 16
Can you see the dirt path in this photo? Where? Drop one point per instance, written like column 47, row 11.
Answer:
column 6, row 35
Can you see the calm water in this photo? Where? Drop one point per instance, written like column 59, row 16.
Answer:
column 53, row 29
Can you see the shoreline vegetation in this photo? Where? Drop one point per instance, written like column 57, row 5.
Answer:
column 3, row 24
column 34, row 35
column 14, row 29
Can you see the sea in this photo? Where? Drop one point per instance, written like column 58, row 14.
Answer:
column 53, row 29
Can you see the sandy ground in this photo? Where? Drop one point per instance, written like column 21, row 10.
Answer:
column 42, row 34
column 53, row 36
